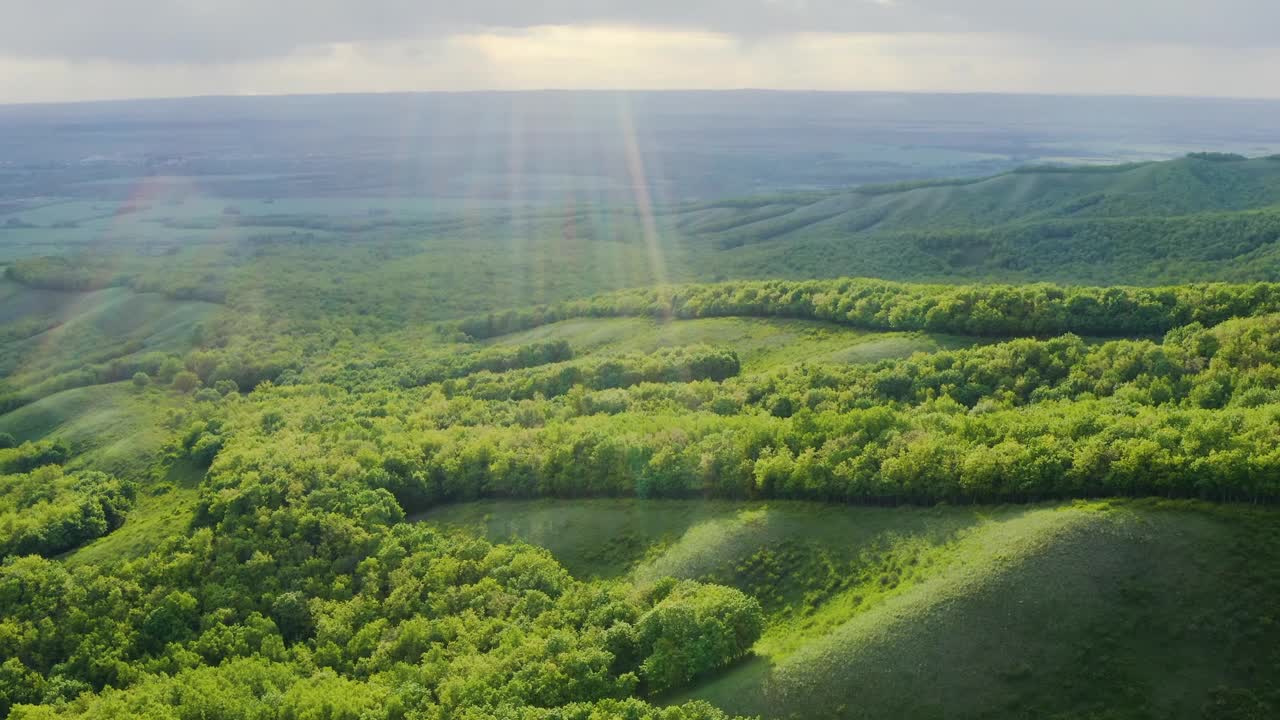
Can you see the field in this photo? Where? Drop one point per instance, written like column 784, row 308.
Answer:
column 515, row 148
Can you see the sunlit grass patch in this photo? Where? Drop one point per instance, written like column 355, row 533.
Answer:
column 930, row 612
column 761, row 343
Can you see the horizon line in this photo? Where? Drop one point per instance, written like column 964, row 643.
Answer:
column 670, row 91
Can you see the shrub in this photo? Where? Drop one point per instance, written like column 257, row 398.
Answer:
column 185, row 381
column 207, row 395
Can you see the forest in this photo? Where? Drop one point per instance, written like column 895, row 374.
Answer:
column 289, row 494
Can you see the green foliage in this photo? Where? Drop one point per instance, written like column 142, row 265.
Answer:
column 48, row 512
column 693, row 630
column 991, row 310
column 381, row 619
column 185, row 381
column 29, row 456
column 494, row 360
column 908, row 185
column 199, row 443
column 686, row 364
column 1023, row 420
column 1217, row 156
column 60, row 273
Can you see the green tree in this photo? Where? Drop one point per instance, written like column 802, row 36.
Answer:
column 696, row 628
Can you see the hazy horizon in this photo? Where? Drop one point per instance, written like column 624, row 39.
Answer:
column 642, row 90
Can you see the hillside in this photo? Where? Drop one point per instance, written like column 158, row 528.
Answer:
column 760, row 343
column 55, row 340
column 888, row 613
column 1189, row 219
column 306, row 265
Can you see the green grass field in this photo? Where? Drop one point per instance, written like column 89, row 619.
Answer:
column 761, row 343
column 161, row 507
column 44, row 333
column 946, row 612
column 114, row 427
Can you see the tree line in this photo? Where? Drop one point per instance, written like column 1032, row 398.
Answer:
column 1039, row 310
column 671, row 365
column 1192, row 416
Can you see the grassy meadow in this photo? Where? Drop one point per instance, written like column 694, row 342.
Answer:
column 1112, row 609
column 761, row 343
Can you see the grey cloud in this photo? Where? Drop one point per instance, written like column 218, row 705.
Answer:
column 199, row 31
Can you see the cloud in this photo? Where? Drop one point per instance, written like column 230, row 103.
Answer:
column 229, row 31
column 619, row 56
column 82, row 49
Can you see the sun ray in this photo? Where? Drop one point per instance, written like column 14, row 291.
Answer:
column 640, row 191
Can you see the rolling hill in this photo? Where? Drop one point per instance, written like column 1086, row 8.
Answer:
column 398, row 264
column 761, row 343
column 1087, row 609
column 1191, row 219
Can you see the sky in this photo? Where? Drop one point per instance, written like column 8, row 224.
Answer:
column 68, row 50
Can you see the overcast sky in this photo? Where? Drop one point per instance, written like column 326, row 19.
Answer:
column 52, row 50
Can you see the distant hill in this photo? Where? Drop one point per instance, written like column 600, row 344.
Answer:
column 1204, row 217
column 405, row 263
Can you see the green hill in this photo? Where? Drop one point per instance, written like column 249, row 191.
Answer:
column 55, row 340
column 1176, row 221
column 761, row 343
column 1189, row 220
column 113, row 427
column 1092, row 609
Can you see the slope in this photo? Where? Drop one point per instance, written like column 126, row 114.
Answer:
column 1194, row 218
column 761, row 343
column 53, row 340
column 1134, row 609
